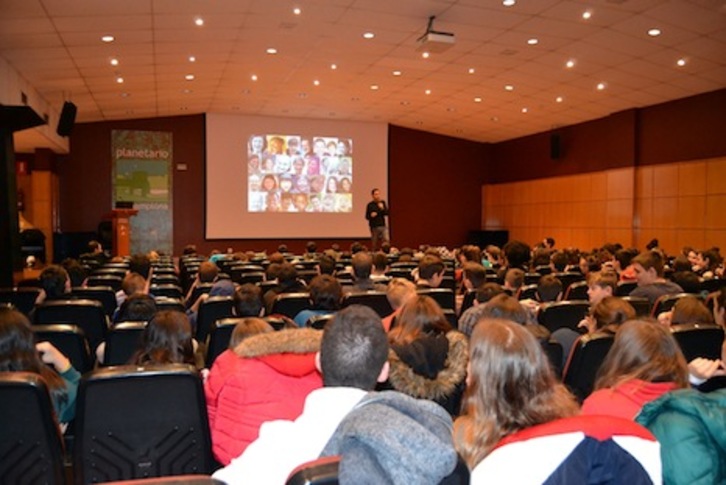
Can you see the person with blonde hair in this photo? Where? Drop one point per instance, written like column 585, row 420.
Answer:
column 428, row 358
column 521, row 425
column 644, row 363
column 398, row 292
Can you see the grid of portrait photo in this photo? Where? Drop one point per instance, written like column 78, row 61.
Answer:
column 292, row 173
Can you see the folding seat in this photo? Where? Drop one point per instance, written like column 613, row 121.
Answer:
column 640, row 304
column 169, row 304
column 468, row 302
column 122, row 341
column 568, row 278
column 29, row 283
column 110, row 271
column 70, row 340
column 576, row 291
column 278, row 322
column 306, row 275
column 199, row 290
column 303, row 265
column 563, row 314
column 23, row 299
column 169, row 291
column 666, row 303
column 290, row 304
column 105, row 280
column 249, row 277
column 443, row 296
column 624, row 288
column 699, row 340
column 451, row 317
column 212, row 309
column 400, row 273
column 31, row 448
column 219, row 337
column 344, row 276
column 124, row 266
column 527, row 292
column 554, row 352
column 164, row 270
column 493, row 278
column 543, row 269
column 709, row 286
column 265, row 286
column 165, row 279
column 319, row 322
column 377, row 300
column 140, row 422
column 89, row 315
column 448, row 282
column 405, row 265
column 323, row 471
column 102, row 294
column 532, row 278
column 585, row 359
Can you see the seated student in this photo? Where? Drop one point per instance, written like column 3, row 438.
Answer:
column 136, row 308
column 473, row 275
column 167, row 339
column 398, row 293
column 326, row 294
column 427, row 358
column 287, row 282
column 207, row 273
column 132, row 284
column 141, row 265
column 708, row 264
column 362, row 264
column 513, row 281
column 20, row 353
column 507, row 307
column 710, row 374
column 55, row 284
column 649, row 274
column 352, row 359
column 265, row 377
column 472, row 315
column 684, row 277
column 380, row 267
column 76, row 272
column 248, row 301
column 515, row 409
column 549, row 290
column 644, row 362
column 219, row 288
column 622, row 264
column 687, row 310
column 430, row 272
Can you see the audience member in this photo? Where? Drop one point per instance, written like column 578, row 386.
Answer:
column 472, row 315
column 427, row 358
column 76, row 272
column 20, row 353
column 649, row 274
column 167, row 339
column 138, row 307
column 430, row 272
column 55, row 284
column 362, row 264
column 326, row 295
column 398, row 293
column 207, row 273
column 513, row 281
column 287, row 282
column 644, row 362
column 264, row 377
column 380, row 267
column 248, row 301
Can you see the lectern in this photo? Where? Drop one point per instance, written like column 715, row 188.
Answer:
column 122, row 230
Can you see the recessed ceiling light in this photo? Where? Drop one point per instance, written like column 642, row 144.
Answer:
column 120, row 80
column 316, row 82
column 114, row 61
column 559, row 99
column 508, row 3
column 451, row 109
column 524, row 110
column 396, row 73
column 533, row 41
column 368, row 35
column 586, row 15
column 570, row 64
column 199, row 21
column 477, row 100
column 125, row 95
column 425, row 55
column 271, row 50
column 494, row 119
column 333, row 67
column 427, row 92
column 108, row 38
column 654, row 32
column 681, row 62
column 374, row 87
column 186, row 91
column 192, row 59
column 509, row 87
column 601, row 86
column 189, row 77
column 472, row 70
column 297, row 11
column 246, row 91
column 253, row 77
column 405, row 103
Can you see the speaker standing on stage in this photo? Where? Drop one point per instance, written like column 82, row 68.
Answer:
column 376, row 212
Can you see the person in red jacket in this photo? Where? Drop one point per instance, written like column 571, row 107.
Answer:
column 266, row 376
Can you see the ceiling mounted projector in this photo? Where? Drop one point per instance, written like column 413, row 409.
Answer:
column 433, row 41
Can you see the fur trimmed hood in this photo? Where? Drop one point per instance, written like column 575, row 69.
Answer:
column 404, row 379
column 287, row 341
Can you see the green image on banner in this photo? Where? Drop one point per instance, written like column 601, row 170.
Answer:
column 142, row 175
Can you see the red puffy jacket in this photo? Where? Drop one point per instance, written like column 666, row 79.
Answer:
column 266, row 377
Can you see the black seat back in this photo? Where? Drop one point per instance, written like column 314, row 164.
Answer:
column 377, row 300
column 219, row 337
column 527, row 292
column 102, row 294
column 211, row 310
column 576, row 291
column 23, row 299
column 443, row 296
column 138, row 422
column 290, row 304
column 563, row 314
column 640, row 304
column 31, row 449
column 319, row 322
column 699, row 340
column 70, row 340
column 122, row 341
column 167, row 290
column 585, row 359
column 666, row 303
column 199, row 290
column 105, row 280
column 87, row 314
column 625, row 287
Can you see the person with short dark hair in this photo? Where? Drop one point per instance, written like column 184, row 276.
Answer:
column 339, row 418
column 380, row 267
column 649, row 273
column 549, row 289
column 287, row 282
column 326, row 264
column 55, row 283
column 326, row 294
column 517, row 255
column 362, row 264
column 559, row 261
column 376, row 212
column 248, row 301
column 470, row 317
column 76, row 272
column 430, row 272
column 138, row 307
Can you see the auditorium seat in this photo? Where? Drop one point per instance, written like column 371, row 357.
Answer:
column 563, row 314
column 323, row 471
column 586, row 357
column 211, row 310
column 699, row 340
column 70, row 340
column 576, row 291
column 23, row 299
column 443, row 296
column 169, row 304
column 377, row 300
column 122, row 342
column 532, row 278
column 167, row 290
column 624, row 288
column 199, row 290
column 141, row 422
column 219, row 336
column 569, row 278
column 31, row 448
column 89, row 315
column 105, row 280
column 640, row 304
column 290, row 304
column 666, row 303
column 318, row 322
column 103, row 294
column 527, row 292
column 468, row 301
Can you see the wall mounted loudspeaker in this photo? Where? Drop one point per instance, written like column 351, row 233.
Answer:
column 67, row 119
column 555, row 146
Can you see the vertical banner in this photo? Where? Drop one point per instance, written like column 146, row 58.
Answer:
column 142, row 162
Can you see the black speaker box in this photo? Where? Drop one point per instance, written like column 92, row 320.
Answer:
column 67, row 119
column 555, row 146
